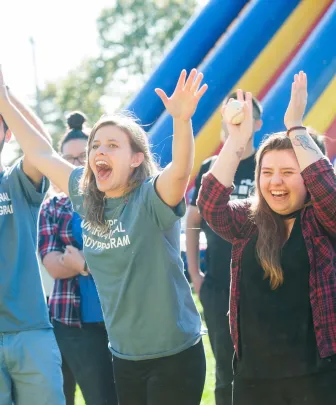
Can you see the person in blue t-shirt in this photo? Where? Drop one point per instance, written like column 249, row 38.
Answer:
column 30, row 358
column 131, row 235
column 74, row 303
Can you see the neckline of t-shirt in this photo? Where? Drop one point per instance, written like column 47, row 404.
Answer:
column 114, row 202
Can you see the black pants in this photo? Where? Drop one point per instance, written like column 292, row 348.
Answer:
column 315, row 389
column 215, row 302
column 69, row 383
column 171, row 380
column 86, row 353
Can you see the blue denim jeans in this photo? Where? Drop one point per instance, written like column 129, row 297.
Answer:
column 30, row 368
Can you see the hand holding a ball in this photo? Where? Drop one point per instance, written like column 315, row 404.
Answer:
column 238, row 116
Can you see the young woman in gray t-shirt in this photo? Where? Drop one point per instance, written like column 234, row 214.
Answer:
column 131, row 232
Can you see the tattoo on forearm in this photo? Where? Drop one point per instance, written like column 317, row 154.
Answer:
column 304, row 141
column 239, row 153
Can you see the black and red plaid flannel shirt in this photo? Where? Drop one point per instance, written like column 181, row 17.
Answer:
column 230, row 220
column 55, row 233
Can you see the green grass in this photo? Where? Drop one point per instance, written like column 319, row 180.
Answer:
column 208, row 393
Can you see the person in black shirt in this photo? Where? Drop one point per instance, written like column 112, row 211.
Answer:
column 213, row 287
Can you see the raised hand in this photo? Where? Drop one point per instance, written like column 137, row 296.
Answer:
column 183, row 102
column 298, row 101
column 245, row 129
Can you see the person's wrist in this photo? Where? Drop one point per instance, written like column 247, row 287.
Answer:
column 83, row 270
column 293, row 124
column 294, row 128
column 182, row 120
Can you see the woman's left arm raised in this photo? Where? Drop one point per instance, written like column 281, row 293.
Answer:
column 317, row 171
column 173, row 181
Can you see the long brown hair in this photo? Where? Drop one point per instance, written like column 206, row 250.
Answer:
column 93, row 198
column 271, row 227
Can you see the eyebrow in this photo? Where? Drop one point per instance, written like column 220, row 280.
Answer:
column 108, row 140
column 282, row 168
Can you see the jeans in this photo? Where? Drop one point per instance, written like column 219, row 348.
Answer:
column 215, row 302
column 30, row 370
column 172, row 380
column 86, row 352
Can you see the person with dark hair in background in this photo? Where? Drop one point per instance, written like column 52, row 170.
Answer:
column 30, row 358
column 283, row 283
column 213, row 288
column 74, row 304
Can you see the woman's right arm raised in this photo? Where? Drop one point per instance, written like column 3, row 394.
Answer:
column 223, row 217
column 33, row 144
column 226, row 165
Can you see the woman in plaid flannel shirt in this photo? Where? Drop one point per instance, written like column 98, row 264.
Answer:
column 75, row 309
column 283, row 282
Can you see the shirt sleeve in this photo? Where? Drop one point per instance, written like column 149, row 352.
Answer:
column 198, row 181
column 49, row 240
column 163, row 215
column 320, row 180
column 226, row 218
column 75, row 195
column 21, row 181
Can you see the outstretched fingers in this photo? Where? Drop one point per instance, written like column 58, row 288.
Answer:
column 201, row 92
column 190, row 80
column 181, row 81
column 163, row 96
column 195, row 86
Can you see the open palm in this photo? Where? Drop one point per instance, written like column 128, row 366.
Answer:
column 298, row 101
column 183, row 102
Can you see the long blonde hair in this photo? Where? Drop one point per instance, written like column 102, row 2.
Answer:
column 93, row 198
column 271, row 227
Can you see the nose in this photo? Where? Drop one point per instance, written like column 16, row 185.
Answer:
column 276, row 179
column 101, row 150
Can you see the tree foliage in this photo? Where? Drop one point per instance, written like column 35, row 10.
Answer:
column 133, row 36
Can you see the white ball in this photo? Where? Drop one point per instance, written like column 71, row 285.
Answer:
column 234, row 112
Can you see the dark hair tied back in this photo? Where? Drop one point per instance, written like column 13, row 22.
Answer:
column 76, row 120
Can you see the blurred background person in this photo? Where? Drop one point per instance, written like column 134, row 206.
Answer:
column 74, row 303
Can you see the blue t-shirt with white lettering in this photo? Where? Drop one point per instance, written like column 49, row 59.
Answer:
column 22, row 302
column 147, row 303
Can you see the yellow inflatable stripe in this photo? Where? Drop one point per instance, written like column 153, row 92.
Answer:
column 323, row 113
column 261, row 71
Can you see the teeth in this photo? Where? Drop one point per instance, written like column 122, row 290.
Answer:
column 278, row 192
column 101, row 163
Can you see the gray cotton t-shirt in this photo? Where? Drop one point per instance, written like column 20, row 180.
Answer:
column 22, row 303
column 148, row 308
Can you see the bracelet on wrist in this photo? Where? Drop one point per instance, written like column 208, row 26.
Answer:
column 295, row 129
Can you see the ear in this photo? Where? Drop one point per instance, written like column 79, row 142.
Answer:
column 8, row 135
column 257, row 125
column 137, row 159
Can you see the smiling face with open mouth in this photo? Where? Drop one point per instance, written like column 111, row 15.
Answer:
column 281, row 183
column 111, row 159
